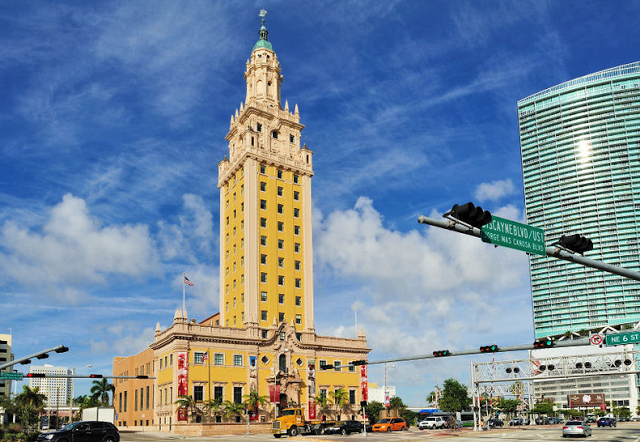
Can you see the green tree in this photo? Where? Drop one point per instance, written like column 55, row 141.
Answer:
column 231, row 408
column 30, row 404
column 187, row 402
column 455, row 397
column 253, row 400
column 340, row 399
column 101, row 389
column 212, row 407
column 543, row 408
column 323, row 402
column 508, row 406
column 622, row 412
column 373, row 410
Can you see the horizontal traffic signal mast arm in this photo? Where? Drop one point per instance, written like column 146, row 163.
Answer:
column 500, row 349
column 40, row 355
column 553, row 252
column 83, row 376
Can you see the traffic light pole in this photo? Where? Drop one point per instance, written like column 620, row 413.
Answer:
column 553, row 252
column 40, row 355
column 569, row 343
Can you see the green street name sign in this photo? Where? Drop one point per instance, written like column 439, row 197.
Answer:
column 8, row 375
column 507, row 233
column 623, row 338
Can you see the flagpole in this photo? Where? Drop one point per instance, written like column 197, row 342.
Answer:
column 184, row 275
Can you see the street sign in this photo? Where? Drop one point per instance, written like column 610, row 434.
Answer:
column 595, row 339
column 624, row 338
column 8, row 375
column 515, row 235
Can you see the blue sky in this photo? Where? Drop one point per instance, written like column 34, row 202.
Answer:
column 112, row 123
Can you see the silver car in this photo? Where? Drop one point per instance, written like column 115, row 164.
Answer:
column 576, row 428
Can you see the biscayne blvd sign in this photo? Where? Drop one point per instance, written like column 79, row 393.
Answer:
column 507, row 233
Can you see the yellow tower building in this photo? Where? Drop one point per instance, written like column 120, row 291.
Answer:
column 263, row 340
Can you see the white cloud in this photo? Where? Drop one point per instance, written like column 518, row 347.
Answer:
column 73, row 249
column 495, row 190
column 416, row 282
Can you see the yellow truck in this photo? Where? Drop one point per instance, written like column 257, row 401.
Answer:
column 292, row 423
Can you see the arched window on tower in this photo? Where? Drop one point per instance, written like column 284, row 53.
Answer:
column 282, row 363
column 274, row 134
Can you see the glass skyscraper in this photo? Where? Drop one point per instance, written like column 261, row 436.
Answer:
column 580, row 146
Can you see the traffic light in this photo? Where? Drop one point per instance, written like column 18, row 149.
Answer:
column 62, row 349
column 543, row 343
column 95, row 375
column 358, row 362
column 36, row 375
column 326, row 367
column 489, row 349
column 439, row 353
column 142, row 376
column 471, row 214
column 363, row 404
column 576, row 243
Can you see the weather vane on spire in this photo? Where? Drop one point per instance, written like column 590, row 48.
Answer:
column 263, row 30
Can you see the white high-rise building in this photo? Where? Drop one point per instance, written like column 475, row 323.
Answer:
column 57, row 390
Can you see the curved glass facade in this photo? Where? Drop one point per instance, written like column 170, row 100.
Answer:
column 580, row 146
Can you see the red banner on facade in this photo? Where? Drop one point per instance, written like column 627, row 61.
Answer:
column 183, row 373
column 182, row 414
column 364, row 385
column 312, row 410
column 274, row 394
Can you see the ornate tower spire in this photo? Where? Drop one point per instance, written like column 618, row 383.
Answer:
column 263, row 29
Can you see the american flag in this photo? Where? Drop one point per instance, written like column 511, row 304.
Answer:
column 186, row 281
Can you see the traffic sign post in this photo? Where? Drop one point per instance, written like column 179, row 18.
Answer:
column 624, row 338
column 595, row 339
column 9, row 375
column 507, row 233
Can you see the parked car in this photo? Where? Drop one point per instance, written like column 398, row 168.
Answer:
column 542, row 420
column 83, row 431
column 495, row 422
column 432, row 423
column 576, row 428
column 453, row 423
column 555, row 420
column 345, row 427
column 516, row 421
column 607, row 422
column 591, row 420
column 390, row 424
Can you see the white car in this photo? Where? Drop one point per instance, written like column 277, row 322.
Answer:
column 433, row 422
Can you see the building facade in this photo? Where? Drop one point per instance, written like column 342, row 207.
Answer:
column 58, row 390
column 134, row 398
column 580, row 145
column 5, row 356
column 263, row 340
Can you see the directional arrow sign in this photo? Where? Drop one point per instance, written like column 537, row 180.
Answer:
column 507, row 233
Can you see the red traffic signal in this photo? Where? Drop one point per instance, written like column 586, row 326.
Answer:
column 36, row 375
column 489, row 349
column 439, row 353
column 95, row 375
column 142, row 376
column 543, row 343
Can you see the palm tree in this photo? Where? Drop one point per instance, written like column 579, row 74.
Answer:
column 323, row 401
column 340, row 399
column 101, row 389
column 231, row 408
column 187, row 402
column 212, row 407
column 30, row 404
column 253, row 400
